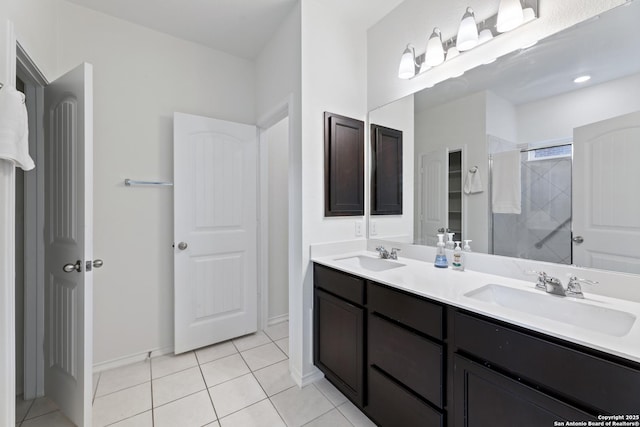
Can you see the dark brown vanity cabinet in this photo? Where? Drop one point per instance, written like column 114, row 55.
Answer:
column 517, row 377
column 405, row 359
column 339, row 321
column 409, row 361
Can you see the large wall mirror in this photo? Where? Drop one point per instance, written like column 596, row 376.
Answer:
column 517, row 157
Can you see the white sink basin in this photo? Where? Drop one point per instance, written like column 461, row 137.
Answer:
column 562, row 309
column 369, row 263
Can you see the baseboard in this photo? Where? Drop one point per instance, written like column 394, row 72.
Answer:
column 134, row 358
column 278, row 319
column 302, row 381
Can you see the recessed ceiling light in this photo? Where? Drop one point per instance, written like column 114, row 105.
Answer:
column 581, row 79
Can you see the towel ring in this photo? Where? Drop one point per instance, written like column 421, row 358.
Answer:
column 473, row 169
column 24, row 99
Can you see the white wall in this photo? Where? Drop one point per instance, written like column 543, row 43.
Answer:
column 278, row 200
column 460, row 124
column 561, row 114
column 333, row 79
column 397, row 115
column 34, row 22
column 501, row 119
column 413, row 20
column 141, row 77
column 278, row 81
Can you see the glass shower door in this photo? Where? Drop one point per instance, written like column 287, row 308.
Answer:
column 542, row 231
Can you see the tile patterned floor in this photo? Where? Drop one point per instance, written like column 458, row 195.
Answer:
column 239, row 383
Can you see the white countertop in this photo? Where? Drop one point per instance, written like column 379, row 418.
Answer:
column 450, row 286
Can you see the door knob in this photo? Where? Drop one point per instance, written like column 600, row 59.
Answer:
column 68, row 268
column 182, row 246
column 578, row 239
column 97, row 263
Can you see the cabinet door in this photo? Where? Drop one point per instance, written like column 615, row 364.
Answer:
column 338, row 344
column 484, row 398
column 343, row 166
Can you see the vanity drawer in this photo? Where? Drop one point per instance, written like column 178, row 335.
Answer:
column 413, row 311
column 408, row 357
column 390, row 405
column 592, row 381
column 338, row 283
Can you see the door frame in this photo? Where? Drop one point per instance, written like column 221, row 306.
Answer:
column 282, row 110
column 15, row 57
column 34, row 188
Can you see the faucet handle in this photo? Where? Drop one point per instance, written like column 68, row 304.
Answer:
column 394, row 253
column 542, row 278
column 574, row 289
column 382, row 251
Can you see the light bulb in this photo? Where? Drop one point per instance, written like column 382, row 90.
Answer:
column 452, row 53
column 467, row 32
column 510, row 15
column 484, row 36
column 435, row 53
column 528, row 15
column 407, row 67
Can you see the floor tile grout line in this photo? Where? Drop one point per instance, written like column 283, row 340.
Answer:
column 131, row 416
column 153, row 412
column 215, row 412
column 322, row 415
column 28, row 409
column 95, row 391
column 118, row 391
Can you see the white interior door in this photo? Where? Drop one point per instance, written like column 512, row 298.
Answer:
column 68, row 121
column 433, row 202
column 606, row 200
column 215, row 230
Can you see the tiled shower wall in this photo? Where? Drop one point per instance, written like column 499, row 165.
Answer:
column 546, row 206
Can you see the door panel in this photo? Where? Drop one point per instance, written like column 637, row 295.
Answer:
column 433, row 187
column 606, row 208
column 215, row 207
column 69, row 241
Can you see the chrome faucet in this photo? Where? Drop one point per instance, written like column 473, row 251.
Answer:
column 553, row 285
column 384, row 254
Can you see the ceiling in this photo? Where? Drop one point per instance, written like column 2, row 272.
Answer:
column 238, row 27
column 605, row 47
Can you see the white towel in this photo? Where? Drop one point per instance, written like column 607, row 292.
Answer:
column 473, row 182
column 505, row 183
column 14, row 128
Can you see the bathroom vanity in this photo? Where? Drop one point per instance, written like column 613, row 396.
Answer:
column 413, row 345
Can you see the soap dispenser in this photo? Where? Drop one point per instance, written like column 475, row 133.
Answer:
column 458, row 258
column 449, row 244
column 466, row 247
column 441, row 257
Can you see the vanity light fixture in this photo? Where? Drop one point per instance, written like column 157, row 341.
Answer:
column 408, row 63
column 485, row 35
column 467, row 31
column 582, row 79
column 510, row 15
column 435, row 52
column 528, row 15
column 452, row 53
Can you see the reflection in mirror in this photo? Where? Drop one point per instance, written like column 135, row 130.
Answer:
column 549, row 166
